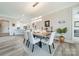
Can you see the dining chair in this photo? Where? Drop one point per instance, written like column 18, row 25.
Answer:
column 26, row 39
column 49, row 41
column 32, row 40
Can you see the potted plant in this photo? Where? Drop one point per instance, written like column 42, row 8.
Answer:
column 62, row 31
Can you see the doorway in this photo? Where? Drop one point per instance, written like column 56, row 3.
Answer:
column 4, row 27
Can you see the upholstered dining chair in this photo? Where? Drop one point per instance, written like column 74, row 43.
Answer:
column 49, row 41
column 26, row 39
column 32, row 40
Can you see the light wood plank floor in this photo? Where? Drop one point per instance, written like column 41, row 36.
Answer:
column 67, row 49
column 12, row 47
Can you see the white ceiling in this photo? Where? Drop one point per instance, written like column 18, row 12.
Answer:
column 25, row 9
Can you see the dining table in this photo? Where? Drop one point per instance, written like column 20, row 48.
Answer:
column 41, row 35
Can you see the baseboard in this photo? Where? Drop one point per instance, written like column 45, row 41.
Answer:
column 71, row 41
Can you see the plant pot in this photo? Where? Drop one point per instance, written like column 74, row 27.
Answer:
column 61, row 38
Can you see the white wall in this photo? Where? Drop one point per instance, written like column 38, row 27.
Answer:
column 62, row 15
column 75, row 19
column 5, row 26
column 38, row 25
column 13, row 29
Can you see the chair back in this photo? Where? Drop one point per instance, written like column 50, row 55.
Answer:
column 51, row 39
column 30, row 36
column 25, row 35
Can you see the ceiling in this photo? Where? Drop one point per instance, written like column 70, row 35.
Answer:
column 25, row 9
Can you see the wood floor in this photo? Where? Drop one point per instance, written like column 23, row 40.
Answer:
column 67, row 49
column 12, row 47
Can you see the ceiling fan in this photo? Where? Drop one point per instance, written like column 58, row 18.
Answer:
column 34, row 5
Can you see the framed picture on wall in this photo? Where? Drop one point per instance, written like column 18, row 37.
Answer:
column 25, row 27
column 18, row 28
column 47, row 23
column 13, row 24
column 76, row 24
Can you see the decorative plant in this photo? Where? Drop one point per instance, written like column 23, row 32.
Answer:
column 62, row 30
column 59, row 30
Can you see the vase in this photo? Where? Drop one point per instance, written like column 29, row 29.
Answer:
column 61, row 39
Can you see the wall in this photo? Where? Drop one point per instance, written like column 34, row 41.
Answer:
column 13, row 29
column 5, row 26
column 62, row 15
column 37, row 25
column 0, row 27
column 75, row 24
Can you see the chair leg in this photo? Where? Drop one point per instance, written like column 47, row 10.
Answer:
column 24, row 40
column 40, row 44
column 53, row 45
column 49, row 49
column 28, row 44
column 33, row 48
